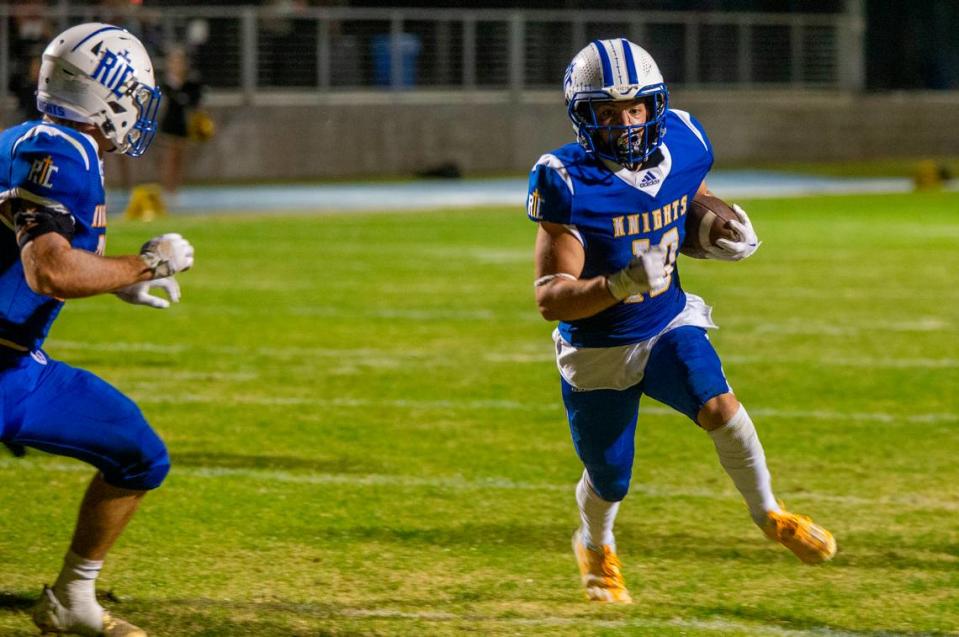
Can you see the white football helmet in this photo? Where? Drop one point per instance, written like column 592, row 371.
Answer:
column 100, row 74
column 616, row 71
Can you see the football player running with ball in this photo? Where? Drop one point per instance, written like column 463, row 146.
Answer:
column 611, row 209
column 98, row 94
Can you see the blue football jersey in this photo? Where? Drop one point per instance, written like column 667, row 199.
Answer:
column 616, row 213
column 56, row 169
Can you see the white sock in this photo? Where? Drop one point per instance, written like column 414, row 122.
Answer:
column 597, row 515
column 742, row 456
column 76, row 588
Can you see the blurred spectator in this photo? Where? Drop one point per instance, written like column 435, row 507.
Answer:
column 29, row 33
column 132, row 16
column 287, row 45
column 23, row 85
column 182, row 94
column 31, row 30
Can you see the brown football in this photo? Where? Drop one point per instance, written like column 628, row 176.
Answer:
column 707, row 221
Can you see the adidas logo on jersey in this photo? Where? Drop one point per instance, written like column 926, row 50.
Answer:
column 649, row 179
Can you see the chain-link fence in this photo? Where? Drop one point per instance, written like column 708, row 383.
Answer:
column 253, row 50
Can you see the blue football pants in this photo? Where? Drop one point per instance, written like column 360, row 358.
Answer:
column 67, row 411
column 683, row 372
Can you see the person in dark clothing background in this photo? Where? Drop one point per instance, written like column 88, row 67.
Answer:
column 23, row 86
column 182, row 94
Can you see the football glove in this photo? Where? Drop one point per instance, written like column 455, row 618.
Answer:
column 167, row 254
column 647, row 271
column 139, row 293
column 745, row 242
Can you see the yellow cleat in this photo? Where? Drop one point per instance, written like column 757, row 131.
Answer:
column 52, row 617
column 116, row 627
column 810, row 542
column 601, row 573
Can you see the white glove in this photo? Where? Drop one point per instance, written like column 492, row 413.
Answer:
column 745, row 244
column 647, row 271
column 167, row 254
column 139, row 293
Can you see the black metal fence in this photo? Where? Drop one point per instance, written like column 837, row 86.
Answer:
column 254, row 50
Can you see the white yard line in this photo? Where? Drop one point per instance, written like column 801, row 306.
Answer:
column 155, row 379
column 868, row 293
column 546, row 357
column 841, row 416
column 841, row 327
column 359, row 403
column 353, row 314
column 456, row 483
column 403, row 314
column 719, row 626
column 397, row 357
column 543, row 356
column 862, row 361
column 514, row 405
column 357, row 354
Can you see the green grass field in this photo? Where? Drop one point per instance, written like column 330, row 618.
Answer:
column 367, row 437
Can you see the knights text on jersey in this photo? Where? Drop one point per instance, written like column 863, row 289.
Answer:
column 55, row 172
column 616, row 213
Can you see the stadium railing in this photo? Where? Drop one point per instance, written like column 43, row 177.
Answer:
column 248, row 53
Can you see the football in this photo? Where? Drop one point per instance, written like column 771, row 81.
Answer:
column 706, row 222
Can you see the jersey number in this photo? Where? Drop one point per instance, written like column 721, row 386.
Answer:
column 670, row 243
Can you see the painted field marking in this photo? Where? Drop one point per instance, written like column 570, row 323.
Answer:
column 855, row 293
column 458, row 483
column 515, row 405
column 544, row 355
column 852, row 361
column 841, row 328
column 723, row 627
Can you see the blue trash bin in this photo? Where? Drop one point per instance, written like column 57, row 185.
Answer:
column 382, row 51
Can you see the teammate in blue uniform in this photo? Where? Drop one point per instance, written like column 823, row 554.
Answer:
column 611, row 210
column 98, row 94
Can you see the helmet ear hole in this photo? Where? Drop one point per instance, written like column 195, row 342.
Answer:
column 584, row 110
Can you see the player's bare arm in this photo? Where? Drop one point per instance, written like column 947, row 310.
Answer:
column 560, row 294
column 563, row 296
column 54, row 268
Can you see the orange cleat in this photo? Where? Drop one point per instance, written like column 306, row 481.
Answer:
column 601, row 572
column 810, row 542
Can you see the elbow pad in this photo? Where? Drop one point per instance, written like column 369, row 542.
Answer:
column 32, row 220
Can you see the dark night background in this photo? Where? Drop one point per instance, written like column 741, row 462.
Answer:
column 909, row 45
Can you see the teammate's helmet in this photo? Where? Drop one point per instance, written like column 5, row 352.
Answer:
column 616, row 71
column 100, row 74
